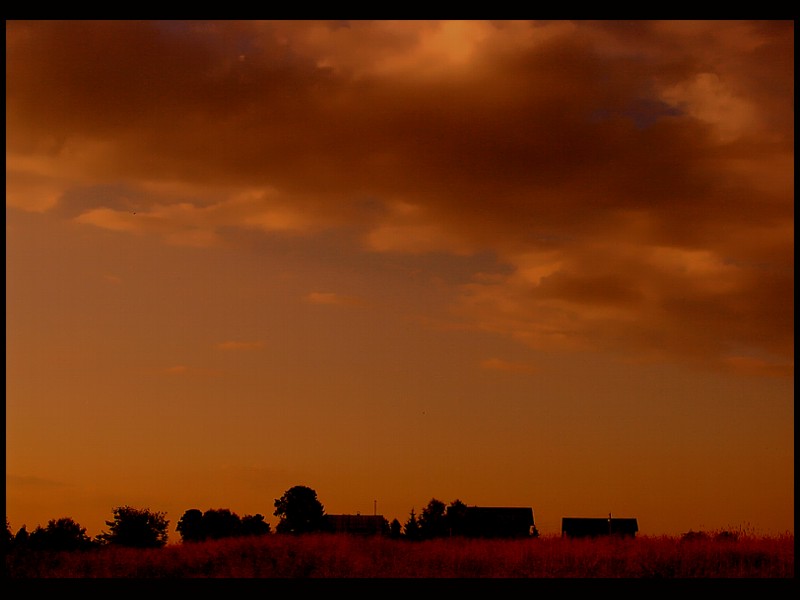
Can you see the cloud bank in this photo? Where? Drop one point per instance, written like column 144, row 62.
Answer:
column 636, row 178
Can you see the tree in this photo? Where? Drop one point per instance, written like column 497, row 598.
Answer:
column 254, row 525
column 411, row 528
column 21, row 537
column 455, row 515
column 432, row 522
column 299, row 511
column 385, row 530
column 395, row 529
column 219, row 523
column 196, row 526
column 137, row 528
column 62, row 534
column 190, row 526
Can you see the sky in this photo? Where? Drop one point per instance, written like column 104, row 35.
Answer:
column 542, row 264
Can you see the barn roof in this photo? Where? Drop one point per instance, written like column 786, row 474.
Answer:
column 598, row 525
column 356, row 523
column 496, row 521
column 521, row 513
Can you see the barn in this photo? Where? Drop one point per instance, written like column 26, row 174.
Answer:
column 579, row 527
column 356, row 524
column 497, row 522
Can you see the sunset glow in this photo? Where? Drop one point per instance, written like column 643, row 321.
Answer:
column 544, row 264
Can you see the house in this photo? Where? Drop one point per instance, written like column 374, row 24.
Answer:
column 356, row 524
column 577, row 527
column 495, row 521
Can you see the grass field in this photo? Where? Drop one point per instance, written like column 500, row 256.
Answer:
column 341, row 556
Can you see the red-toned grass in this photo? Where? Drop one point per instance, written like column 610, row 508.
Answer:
column 343, row 556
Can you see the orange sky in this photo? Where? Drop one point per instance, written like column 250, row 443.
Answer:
column 543, row 264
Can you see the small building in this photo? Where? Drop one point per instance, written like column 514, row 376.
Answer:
column 497, row 522
column 579, row 527
column 357, row 524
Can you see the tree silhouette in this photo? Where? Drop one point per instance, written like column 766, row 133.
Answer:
column 254, row 525
column 395, row 529
column 60, row 534
column 138, row 528
column 219, row 523
column 299, row 511
column 432, row 522
column 196, row 526
column 190, row 526
column 21, row 537
column 411, row 528
column 455, row 514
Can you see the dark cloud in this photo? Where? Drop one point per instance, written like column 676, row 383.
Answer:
column 641, row 171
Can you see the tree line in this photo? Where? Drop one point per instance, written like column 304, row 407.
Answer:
column 298, row 510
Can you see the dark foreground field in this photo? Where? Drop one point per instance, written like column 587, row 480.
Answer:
column 341, row 556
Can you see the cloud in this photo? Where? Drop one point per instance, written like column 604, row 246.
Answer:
column 636, row 178
column 190, row 224
column 638, row 300
column 408, row 230
column 110, row 219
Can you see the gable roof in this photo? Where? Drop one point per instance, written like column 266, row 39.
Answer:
column 591, row 526
column 497, row 521
column 355, row 523
column 516, row 513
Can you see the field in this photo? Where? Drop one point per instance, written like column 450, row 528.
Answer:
column 314, row 556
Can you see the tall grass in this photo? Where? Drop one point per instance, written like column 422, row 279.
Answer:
column 343, row 556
